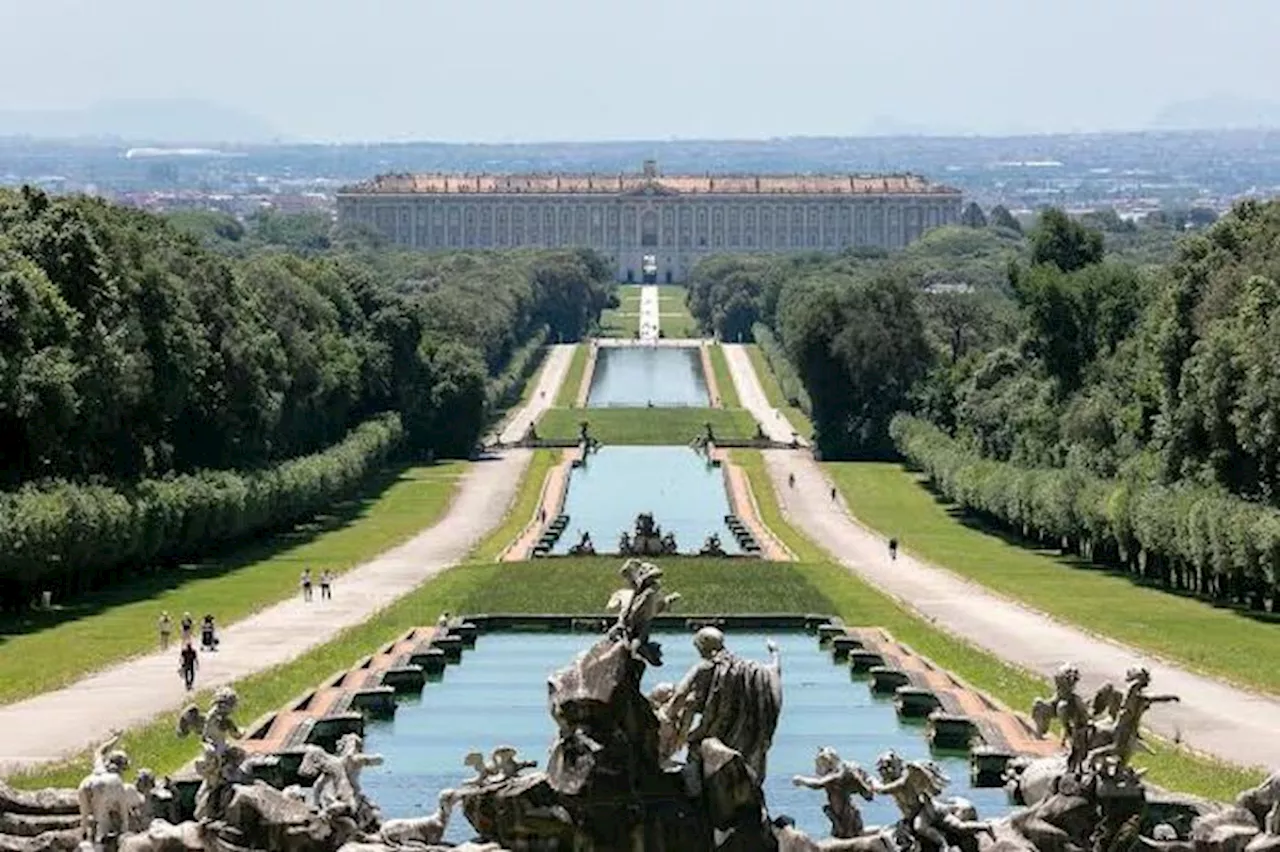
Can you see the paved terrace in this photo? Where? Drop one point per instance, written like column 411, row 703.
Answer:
column 1234, row 724
column 63, row 722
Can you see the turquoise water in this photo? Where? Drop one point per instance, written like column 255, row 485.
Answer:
column 498, row 696
column 634, row 377
column 674, row 483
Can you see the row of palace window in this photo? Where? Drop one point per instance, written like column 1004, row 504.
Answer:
column 466, row 228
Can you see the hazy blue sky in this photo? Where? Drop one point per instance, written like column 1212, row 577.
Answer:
column 522, row 70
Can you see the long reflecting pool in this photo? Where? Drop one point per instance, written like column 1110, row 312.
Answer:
column 498, row 696
column 635, row 377
column 685, row 495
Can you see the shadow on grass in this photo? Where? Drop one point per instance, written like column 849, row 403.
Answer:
column 979, row 524
column 232, row 557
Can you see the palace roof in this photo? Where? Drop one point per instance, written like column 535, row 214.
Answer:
column 648, row 182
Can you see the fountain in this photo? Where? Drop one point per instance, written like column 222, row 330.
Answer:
column 647, row 539
column 680, row 768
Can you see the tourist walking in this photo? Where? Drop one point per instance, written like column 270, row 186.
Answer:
column 188, row 624
column 893, row 548
column 791, row 480
column 208, row 635
column 306, row 584
column 166, row 630
column 326, row 586
column 188, row 662
column 833, row 495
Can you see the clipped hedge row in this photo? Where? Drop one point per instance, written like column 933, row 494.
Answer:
column 504, row 389
column 788, row 379
column 65, row 537
column 1183, row 536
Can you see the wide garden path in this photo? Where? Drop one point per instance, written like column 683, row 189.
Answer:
column 66, row 721
column 752, row 396
column 554, row 368
column 1234, row 724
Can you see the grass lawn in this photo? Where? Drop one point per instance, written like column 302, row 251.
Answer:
column 724, row 379
column 1220, row 642
column 44, row 651
column 523, row 505
column 799, row 421
column 567, row 396
column 677, row 426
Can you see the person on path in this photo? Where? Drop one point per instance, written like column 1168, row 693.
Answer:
column 833, row 495
column 188, row 662
column 326, row 586
column 791, row 480
column 893, row 548
column 306, row 584
column 208, row 635
column 188, row 624
column 166, row 630
column 542, row 514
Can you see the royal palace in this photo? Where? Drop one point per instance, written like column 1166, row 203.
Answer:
column 650, row 225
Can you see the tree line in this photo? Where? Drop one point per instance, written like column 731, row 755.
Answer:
column 136, row 357
column 1056, row 380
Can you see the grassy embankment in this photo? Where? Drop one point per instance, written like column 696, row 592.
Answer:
column 624, row 320
column 581, row 585
column 675, row 426
column 523, row 505
column 674, row 318
column 799, row 421
column 43, row 651
column 1172, row 766
column 567, row 396
column 1225, row 643
column 724, row 379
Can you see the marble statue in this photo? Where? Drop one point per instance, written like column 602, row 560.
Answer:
column 673, row 722
column 841, row 781
column 501, row 766
column 638, row 604
column 425, row 830
column 337, row 777
column 1069, row 710
column 915, row 787
column 107, row 803
column 712, row 547
column 1115, row 742
column 737, row 701
column 217, row 727
column 647, row 539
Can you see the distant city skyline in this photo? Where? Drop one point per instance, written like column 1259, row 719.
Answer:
column 567, row 70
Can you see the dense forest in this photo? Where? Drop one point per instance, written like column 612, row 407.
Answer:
column 1085, row 384
column 162, row 387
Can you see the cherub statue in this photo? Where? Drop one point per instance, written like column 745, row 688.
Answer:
column 914, row 787
column 216, row 728
column 673, row 722
column 1121, row 738
column 1068, row 708
column 421, row 830
column 354, row 759
column 841, row 780
column 502, row 765
column 638, row 605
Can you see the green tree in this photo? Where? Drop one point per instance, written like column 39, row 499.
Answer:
column 972, row 216
column 1059, row 240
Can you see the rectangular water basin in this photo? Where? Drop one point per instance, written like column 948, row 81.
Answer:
column 498, row 696
column 639, row 376
column 686, row 496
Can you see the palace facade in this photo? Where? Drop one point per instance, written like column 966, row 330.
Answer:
column 650, row 225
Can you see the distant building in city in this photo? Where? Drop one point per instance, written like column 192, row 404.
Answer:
column 650, row 225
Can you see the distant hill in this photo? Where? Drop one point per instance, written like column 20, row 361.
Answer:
column 168, row 121
column 1222, row 112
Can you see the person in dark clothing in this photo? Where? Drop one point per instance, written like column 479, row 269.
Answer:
column 893, row 548
column 305, row 582
column 326, row 586
column 833, row 495
column 188, row 662
column 208, row 636
column 791, row 480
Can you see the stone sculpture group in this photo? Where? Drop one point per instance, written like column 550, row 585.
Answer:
column 679, row 768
